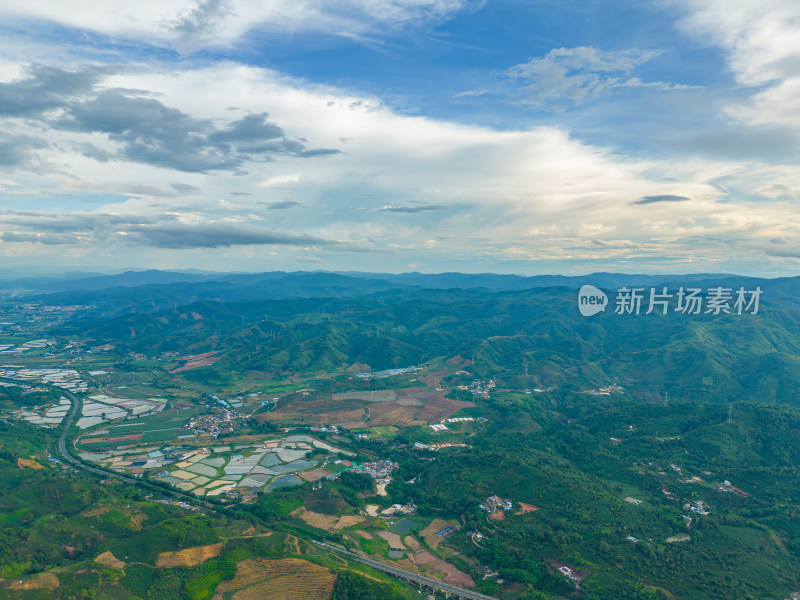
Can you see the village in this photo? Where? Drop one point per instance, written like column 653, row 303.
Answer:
column 220, row 421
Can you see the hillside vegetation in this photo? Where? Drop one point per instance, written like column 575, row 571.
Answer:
column 724, row 358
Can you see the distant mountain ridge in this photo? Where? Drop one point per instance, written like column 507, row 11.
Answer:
column 494, row 281
column 153, row 289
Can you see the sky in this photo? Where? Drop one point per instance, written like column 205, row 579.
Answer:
column 507, row 136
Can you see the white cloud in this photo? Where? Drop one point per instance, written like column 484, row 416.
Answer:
column 761, row 37
column 517, row 196
column 575, row 74
column 776, row 105
column 499, row 185
column 192, row 23
column 761, row 40
column 470, row 94
column 277, row 180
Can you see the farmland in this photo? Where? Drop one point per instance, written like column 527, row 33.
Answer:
column 221, row 470
column 188, row 557
column 353, row 410
column 277, row 579
column 278, row 440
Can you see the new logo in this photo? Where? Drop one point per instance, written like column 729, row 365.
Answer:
column 591, row 300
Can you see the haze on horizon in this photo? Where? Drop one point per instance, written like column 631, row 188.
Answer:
column 401, row 135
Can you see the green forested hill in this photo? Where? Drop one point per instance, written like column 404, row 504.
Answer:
column 726, row 357
column 565, row 464
column 680, row 483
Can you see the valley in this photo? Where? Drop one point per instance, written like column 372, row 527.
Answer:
column 458, row 437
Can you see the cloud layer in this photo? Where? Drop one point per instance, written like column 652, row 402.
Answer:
column 207, row 154
column 189, row 24
column 140, row 127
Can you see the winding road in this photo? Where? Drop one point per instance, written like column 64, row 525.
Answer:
column 64, row 450
column 420, row 580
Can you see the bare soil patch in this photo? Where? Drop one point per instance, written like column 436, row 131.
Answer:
column 315, row 519
column 188, row 557
column 125, row 438
column 434, row 380
column 453, row 575
column 424, row 558
column 109, row 560
column 526, row 508
column 449, row 573
column 197, row 363
column 438, row 407
column 364, row 534
column 412, row 543
column 395, row 542
column 314, row 475
column 498, row 515
column 326, row 521
column 409, row 406
column 348, row 521
column 26, row 463
column 408, row 565
column 429, row 533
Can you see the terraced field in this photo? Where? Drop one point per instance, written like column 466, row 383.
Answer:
column 263, row 579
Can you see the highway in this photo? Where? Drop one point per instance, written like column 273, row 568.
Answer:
column 386, row 568
column 408, row 575
column 65, row 452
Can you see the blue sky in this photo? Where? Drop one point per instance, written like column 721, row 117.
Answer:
column 398, row 135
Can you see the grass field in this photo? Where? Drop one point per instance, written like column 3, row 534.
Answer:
column 95, row 363
column 128, row 389
column 163, row 435
column 384, row 431
column 164, row 419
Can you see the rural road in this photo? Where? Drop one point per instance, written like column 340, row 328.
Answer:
column 65, row 452
column 408, row 575
column 386, row 568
